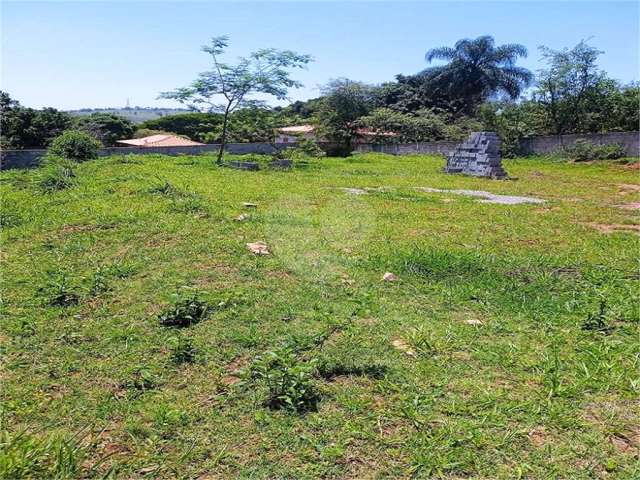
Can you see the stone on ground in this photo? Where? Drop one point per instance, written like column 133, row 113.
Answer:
column 259, row 248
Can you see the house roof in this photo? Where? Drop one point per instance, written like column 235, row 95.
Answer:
column 159, row 141
column 297, row 129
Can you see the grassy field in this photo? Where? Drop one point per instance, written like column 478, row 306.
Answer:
column 508, row 347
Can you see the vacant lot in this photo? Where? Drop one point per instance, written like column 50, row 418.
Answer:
column 507, row 346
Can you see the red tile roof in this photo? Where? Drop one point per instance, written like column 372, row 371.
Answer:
column 159, row 141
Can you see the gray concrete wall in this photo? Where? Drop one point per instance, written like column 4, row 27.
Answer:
column 31, row 158
column 407, row 148
column 549, row 144
column 541, row 145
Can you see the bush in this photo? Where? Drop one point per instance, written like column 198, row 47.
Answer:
column 583, row 150
column 182, row 350
column 56, row 174
column 187, row 309
column 305, row 148
column 289, row 380
column 75, row 145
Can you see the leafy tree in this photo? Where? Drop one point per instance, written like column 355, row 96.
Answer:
column 343, row 103
column 266, row 71
column 421, row 126
column 512, row 121
column 477, row 70
column 195, row 125
column 106, row 127
column 257, row 124
column 565, row 86
column 578, row 97
column 252, row 124
column 24, row 127
column 300, row 109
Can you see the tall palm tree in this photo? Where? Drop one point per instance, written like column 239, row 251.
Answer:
column 478, row 70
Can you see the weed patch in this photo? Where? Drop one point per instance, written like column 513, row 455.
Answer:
column 187, row 309
column 288, row 379
column 58, row 291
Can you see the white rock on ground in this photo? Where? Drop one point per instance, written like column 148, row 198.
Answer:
column 390, row 277
column 473, row 321
column 259, row 248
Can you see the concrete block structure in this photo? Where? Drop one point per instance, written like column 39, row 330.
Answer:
column 479, row 156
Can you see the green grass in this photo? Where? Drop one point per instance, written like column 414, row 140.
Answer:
column 289, row 369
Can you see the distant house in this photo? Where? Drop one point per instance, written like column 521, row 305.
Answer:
column 159, row 141
column 297, row 132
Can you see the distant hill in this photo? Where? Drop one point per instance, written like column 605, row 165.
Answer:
column 135, row 114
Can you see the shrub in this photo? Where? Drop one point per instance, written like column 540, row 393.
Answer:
column 187, row 309
column 75, row 145
column 289, row 380
column 56, row 174
column 305, row 148
column 583, row 150
column 182, row 350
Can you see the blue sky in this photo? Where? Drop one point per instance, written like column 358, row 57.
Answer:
column 94, row 54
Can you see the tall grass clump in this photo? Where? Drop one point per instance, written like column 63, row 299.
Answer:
column 23, row 455
column 56, row 173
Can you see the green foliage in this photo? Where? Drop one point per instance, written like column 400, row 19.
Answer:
column 182, row 350
column 512, row 121
column 56, row 173
column 421, row 126
column 187, row 309
column 343, row 102
column 24, row 455
column 250, row 124
column 106, row 127
column 23, row 127
column 195, row 126
column 75, row 145
column 304, row 149
column 289, row 380
column 140, row 380
column 575, row 94
column 583, row 150
column 100, row 281
column 58, row 291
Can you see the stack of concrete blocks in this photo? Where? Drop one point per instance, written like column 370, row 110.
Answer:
column 478, row 156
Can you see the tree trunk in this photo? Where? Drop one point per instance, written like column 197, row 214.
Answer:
column 223, row 139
